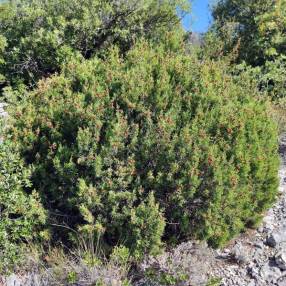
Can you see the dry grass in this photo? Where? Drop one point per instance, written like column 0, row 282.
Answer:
column 60, row 268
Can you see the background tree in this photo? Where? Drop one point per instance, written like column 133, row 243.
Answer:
column 252, row 35
column 43, row 34
column 258, row 27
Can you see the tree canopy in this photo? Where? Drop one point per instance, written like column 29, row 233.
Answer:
column 41, row 35
column 257, row 26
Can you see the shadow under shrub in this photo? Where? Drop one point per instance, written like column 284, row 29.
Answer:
column 156, row 146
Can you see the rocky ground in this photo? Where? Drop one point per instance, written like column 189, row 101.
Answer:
column 258, row 258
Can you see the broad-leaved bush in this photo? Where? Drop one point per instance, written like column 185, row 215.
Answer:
column 21, row 211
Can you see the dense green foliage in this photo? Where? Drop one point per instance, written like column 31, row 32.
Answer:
column 121, row 137
column 123, row 146
column 254, row 33
column 22, row 215
column 258, row 27
column 41, row 35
